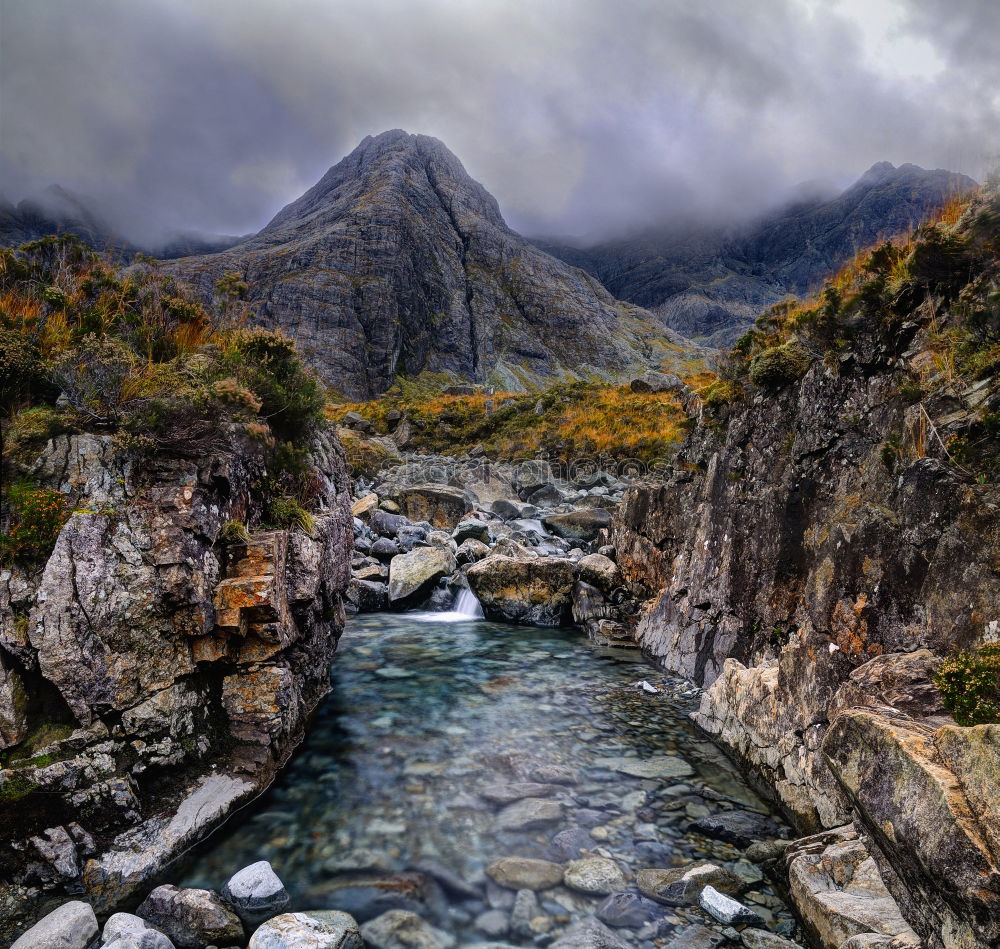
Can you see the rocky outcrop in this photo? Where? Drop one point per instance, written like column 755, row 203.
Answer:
column 531, row 592
column 171, row 665
column 398, row 262
column 809, row 560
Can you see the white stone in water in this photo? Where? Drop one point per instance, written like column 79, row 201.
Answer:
column 328, row 929
column 660, row 766
column 72, row 926
column 727, row 910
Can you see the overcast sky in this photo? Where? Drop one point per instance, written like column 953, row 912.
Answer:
column 581, row 116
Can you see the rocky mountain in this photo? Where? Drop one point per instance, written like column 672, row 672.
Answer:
column 397, row 262
column 711, row 283
column 829, row 536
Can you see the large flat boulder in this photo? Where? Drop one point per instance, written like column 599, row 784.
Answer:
column 578, row 525
column 439, row 504
column 535, row 592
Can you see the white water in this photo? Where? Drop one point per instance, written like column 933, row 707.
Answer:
column 465, row 609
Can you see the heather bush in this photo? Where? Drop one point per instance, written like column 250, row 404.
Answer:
column 969, row 683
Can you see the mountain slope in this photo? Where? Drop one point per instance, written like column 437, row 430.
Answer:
column 397, row 262
column 711, row 284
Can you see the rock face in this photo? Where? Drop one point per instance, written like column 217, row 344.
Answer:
column 710, row 285
column 175, row 670
column 810, row 579
column 397, row 262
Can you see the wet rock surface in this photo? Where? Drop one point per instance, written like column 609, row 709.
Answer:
column 434, row 729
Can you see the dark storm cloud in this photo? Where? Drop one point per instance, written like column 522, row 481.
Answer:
column 591, row 116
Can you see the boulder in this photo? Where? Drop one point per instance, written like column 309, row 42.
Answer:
column 364, row 507
column 548, row 495
column 255, row 893
column 578, row 525
column 655, row 382
column 598, row 876
column 398, row 929
column 125, row 931
column 439, row 504
column 530, row 592
column 525, row 873
column 838, row 891
column 388, row 525
column 762, row 939
column 324, row 929
column 413, row 575
column 72, row 926
column 367, row 596
column 600, row 572
column 657, row 766
column 471, row 528
column 471, row 551
column 192, row 918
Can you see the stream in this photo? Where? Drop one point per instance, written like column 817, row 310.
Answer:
column 382, row 807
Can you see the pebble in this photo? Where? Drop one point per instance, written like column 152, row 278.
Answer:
column 727, row 910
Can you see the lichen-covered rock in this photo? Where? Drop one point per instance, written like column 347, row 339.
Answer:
column 192, row 918
column 535, row 592
column 578, row 525
column 72, row 926
column 412, row 576
column 595, row 875
column 164, row 653
column 325, row 929
column 440, row 505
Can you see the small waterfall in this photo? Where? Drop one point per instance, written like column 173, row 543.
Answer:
column 466, row 604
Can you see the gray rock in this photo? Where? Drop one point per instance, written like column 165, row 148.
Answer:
column 471, row 551
column 660, row 766
column 682, row 886
column 412, row 575
column 525, row 873
column 600, row 572
column 191, row 917
column 589, row 933
column 526, row 908
column 762, row 939
column 508, row 793
column 384, row 549
column 388, row 525
column 740, row 828
column 594, row 875
column 531, row 592
column 697, row 936
column 570, row 843
column 628, row 911
column 72, row 926
column 399, row 929
column 528, row 814
column 324, row 929
column 471, row 529
column 126, row 931
column 256, row 894
column 494, row 923
column 651, row 382
column 727, row 910
column 578, row 525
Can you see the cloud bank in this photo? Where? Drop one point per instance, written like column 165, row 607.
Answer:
column 583, row 117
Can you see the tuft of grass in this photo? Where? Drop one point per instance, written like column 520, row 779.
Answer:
column 969, row 683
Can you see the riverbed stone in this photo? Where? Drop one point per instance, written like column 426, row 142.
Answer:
column 471, row 529
column 72, row 926
column 589, row 933
column 628, row 910
column 697, row 936
column 658, row 767
column 255, row 893
column 530, row 813
column 413, row 575
column 508, row 793
column 525, row 873
column 525, row 910
column 399, row 929
column 762, row 939
column 191, row 917
column 737, row 827
column 727, row 910
column 569, row 844
column 494, row 923
column 322, row 929
column 578, row 525
column 368, row 895
column 597, row 876
column 681, row 886
column 471, row 551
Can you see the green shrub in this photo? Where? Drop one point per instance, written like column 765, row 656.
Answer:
column 36, row 516
column 291, row 396
column 234, row 532
column 779, row 366
column 21, row 370
column 30, row 429
column 720, row 393
column 286, row 512
column 969, row 683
